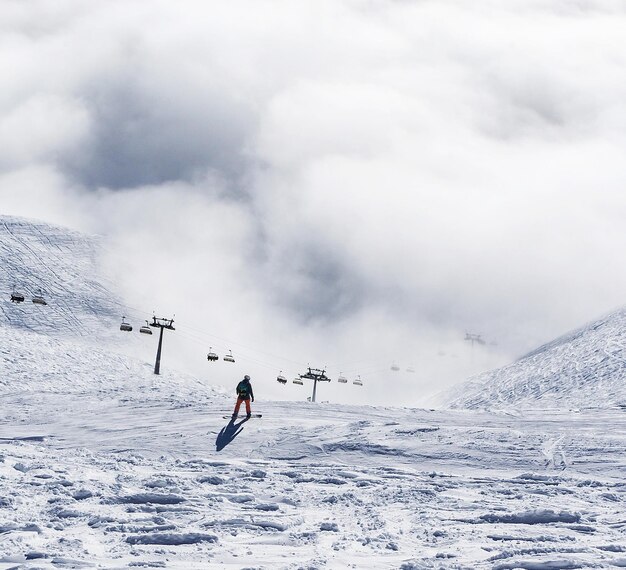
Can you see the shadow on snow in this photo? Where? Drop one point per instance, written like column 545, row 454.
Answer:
column 229, row 432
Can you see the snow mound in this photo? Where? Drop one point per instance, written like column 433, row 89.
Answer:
column 583, row 369
column 539, row 516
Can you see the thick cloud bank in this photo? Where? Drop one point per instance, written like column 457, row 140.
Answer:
column 343, row 182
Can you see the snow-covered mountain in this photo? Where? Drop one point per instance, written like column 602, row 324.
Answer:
column 586, row 368
column 73, row 342
column 60, row 265
column 105, row 465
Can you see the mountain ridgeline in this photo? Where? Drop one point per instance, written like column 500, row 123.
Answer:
column 583, row 369
column 61, row 266
column 73, row 342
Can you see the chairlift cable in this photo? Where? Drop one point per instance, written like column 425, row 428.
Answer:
column 205, row 334
column 240, row 356
column 202, row 337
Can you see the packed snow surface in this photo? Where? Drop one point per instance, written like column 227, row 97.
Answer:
column 586, row 368
column 146, row 476
column 105, row 465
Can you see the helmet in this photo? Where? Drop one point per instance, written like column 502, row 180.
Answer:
column 246, row 377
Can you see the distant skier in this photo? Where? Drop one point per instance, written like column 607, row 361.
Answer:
column 244, row 394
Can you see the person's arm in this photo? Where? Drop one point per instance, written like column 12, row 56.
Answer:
column 251, row 393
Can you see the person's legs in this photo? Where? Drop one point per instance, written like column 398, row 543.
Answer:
column 237, row 406
column 248, row 406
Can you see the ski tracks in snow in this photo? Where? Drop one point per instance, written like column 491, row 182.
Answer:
column 323, row 489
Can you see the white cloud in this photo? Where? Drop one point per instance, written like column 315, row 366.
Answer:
column 40, row 129
column 340, row 180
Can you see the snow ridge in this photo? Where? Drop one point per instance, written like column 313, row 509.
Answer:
column 585, row 368
column 63, row 265
column 72, row 344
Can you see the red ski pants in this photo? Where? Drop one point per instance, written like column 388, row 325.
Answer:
column 238, row 405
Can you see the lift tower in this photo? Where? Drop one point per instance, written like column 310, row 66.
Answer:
column 472, row 337
column 316, row 375
column 161, row 324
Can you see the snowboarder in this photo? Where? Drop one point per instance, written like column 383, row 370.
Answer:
column 244, row 394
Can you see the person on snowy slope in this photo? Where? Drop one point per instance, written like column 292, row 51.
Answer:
column 244, row 394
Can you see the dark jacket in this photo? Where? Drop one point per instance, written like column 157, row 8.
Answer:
column 244, row 390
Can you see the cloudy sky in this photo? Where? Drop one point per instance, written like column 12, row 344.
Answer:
column 342, row 183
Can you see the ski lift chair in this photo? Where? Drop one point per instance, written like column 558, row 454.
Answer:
column 229, row 357
column 342, row 379
column 145, row 329
column 298, row 380
column 211, row 357
column 126, row 327
column 357, row 381
column 395, row 367
column 281, row 379
column 17, row 297
column 38, row 299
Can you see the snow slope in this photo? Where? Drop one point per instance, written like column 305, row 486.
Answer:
column 73, row 343
column 63, row 264
column 105, row 465
column 149, row 479
column 586, row 368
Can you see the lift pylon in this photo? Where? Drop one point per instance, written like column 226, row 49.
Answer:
column 161, row 324
column 317, row 375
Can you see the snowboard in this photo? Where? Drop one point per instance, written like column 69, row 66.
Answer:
column 243, row 417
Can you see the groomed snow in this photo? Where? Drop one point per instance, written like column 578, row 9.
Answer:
column 134, row 478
